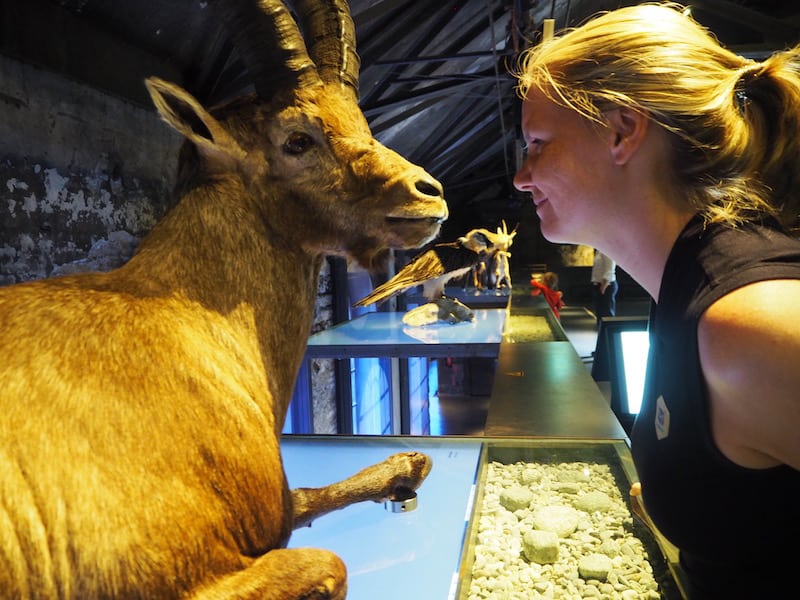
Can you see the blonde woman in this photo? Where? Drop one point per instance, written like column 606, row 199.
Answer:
column 680, row 160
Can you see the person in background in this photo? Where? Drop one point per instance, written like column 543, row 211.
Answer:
column 548, row 287
column 604, row 286
column 680, row 160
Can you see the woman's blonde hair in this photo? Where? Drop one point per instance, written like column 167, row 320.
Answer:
column 735, row 122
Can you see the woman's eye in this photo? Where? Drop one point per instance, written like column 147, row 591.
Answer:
column 298, row 143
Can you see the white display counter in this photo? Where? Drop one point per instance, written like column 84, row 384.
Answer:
column 391, row 556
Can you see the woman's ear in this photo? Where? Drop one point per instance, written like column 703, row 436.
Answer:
column 627, row 129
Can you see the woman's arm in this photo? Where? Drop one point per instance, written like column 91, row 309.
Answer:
column 749, row 344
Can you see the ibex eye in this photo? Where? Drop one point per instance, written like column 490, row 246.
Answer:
column 297, row 143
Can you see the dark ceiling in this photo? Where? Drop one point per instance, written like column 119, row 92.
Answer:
column 434, row 73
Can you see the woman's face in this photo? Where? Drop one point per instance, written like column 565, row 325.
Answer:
column 567, row 170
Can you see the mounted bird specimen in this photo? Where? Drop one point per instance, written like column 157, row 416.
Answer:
column 433, row 268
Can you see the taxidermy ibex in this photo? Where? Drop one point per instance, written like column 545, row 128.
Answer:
column 141, row 409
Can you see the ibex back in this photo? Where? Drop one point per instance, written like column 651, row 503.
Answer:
column 141, row 409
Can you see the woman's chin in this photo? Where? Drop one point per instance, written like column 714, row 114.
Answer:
column 551, row 232
column 557, row 235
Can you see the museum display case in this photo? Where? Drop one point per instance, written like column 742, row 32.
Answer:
column 389, row 372
column 553, row 516
column 496, row 518
column 393, row 368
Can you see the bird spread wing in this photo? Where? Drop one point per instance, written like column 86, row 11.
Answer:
column 441, row 261
column 423, row 267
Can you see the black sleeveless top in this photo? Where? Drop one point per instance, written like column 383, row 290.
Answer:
column 738, row 529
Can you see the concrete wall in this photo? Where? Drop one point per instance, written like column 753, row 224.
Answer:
column 77, row 168
column 323, row 375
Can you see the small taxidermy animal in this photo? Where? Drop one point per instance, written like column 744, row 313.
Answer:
column 434, row 267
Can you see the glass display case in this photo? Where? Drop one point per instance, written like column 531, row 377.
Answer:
column 496, row 518
column 552, row 519
column 389, row 369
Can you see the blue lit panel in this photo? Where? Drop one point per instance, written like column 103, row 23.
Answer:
column 635, row 348
column 391, row 556
column 385, row 334
column 418, row 396
column 371, row 402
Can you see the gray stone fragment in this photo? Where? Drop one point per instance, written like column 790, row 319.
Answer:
column 540, row 546
column 568, row 488
column 530, row 476
column 562, row 520
column 609, row 548
column 515, row 498
column 573, row 476
column 594, row 502
column 594, row 566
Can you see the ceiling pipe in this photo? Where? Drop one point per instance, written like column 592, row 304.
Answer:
column 499, row 90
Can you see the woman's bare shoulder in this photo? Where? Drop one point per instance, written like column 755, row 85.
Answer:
column 749, row 344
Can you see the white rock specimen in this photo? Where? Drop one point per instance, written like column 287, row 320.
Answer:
column 594, row 566
column 513, row 555
column 515, row 498
column 561, row 520
column 540, row 546
column 594, row 501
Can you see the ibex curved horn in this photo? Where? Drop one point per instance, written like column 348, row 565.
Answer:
column 333, row 47
column 270, row 45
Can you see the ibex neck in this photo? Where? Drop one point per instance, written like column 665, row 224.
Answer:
column 215, row 250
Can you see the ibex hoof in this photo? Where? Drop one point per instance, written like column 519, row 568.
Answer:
column 329, row 589
column 411, row 469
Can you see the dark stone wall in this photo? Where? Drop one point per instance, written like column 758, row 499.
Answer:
column 78, row 168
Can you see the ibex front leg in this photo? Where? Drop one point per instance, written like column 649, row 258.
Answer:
column 286, row 574
column 394, row 477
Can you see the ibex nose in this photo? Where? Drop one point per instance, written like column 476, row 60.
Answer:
column 429, row 188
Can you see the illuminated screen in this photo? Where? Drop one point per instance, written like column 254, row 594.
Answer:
column 621, row 359
column 635, row 346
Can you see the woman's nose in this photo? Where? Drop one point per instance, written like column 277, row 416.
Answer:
column 522, row 179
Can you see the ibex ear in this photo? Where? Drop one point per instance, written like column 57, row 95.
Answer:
column 187, row 116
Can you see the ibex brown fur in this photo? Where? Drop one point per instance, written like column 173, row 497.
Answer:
column 141, row 409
